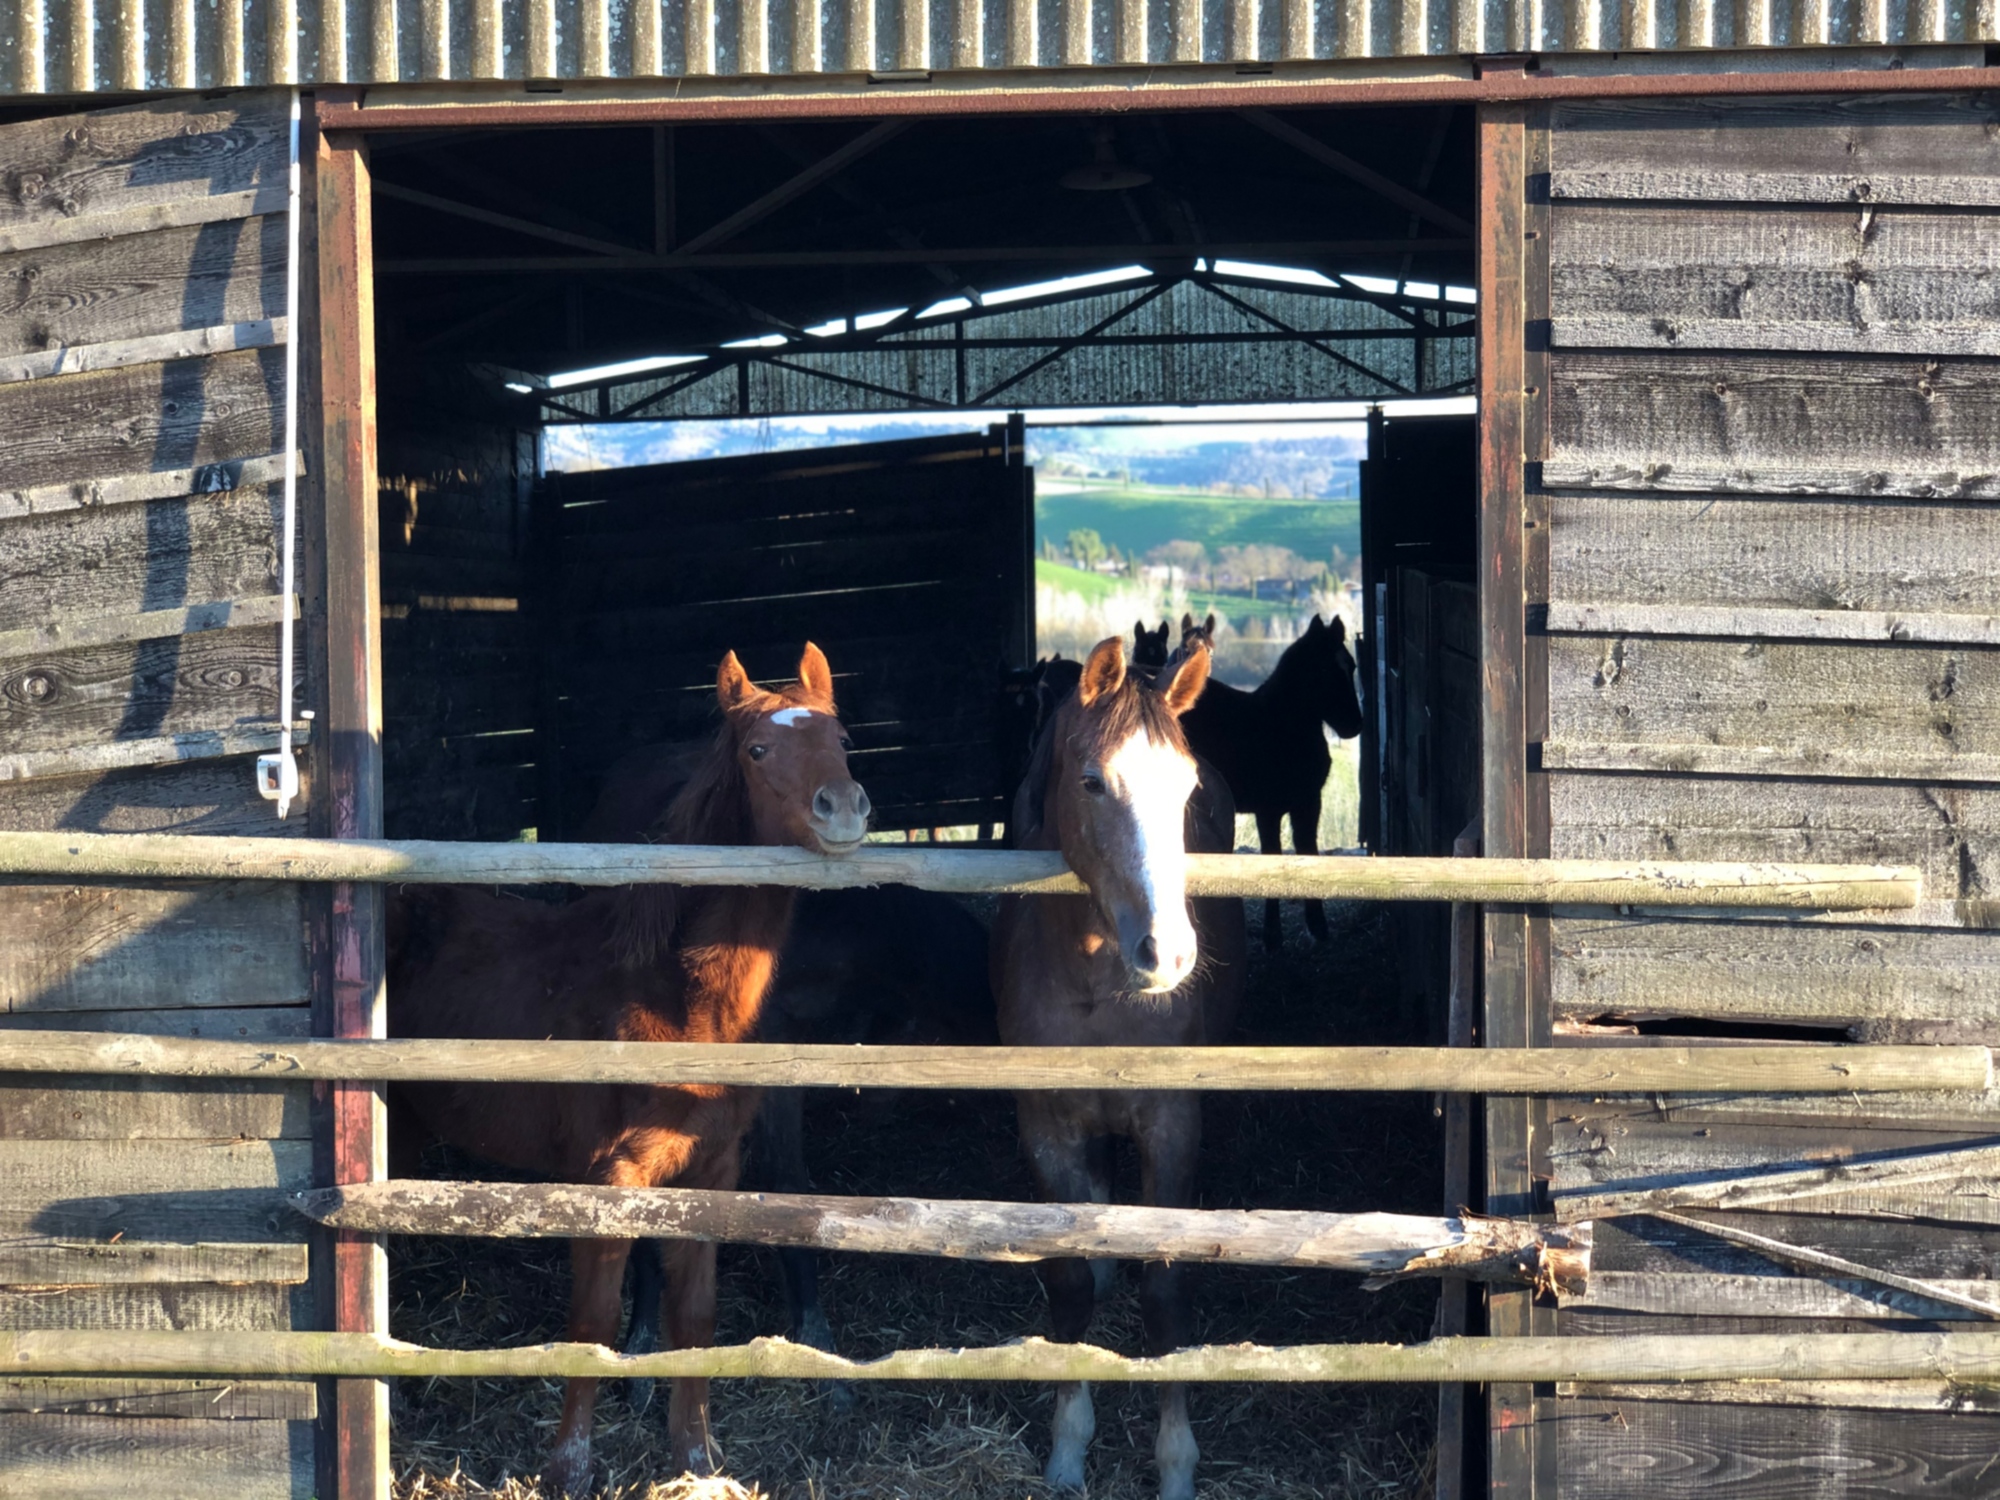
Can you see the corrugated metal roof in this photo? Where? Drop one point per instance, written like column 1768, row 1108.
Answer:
column 81, row 46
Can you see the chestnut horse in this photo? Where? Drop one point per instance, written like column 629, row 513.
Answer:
column 1267, row 742
column 650, row 963
column 1113, row 785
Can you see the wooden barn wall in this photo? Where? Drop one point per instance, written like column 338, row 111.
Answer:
column 906, row 562
column 1765, row 569
column 142, row 256
column 458, row 660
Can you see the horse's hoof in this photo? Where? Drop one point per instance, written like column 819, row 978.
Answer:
column 1065, row 1474
column 704, row 1459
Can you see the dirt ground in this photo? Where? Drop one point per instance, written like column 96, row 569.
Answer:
column 788, row 1441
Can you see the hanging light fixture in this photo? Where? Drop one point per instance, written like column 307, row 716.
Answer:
column 1105, row 173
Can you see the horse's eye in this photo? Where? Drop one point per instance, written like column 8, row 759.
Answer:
column 758, row 752
column 1094, row 785
column 846, row 743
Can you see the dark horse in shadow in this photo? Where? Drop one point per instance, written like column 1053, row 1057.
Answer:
column 889, row 965
column 1267, row 742
column 652, row 963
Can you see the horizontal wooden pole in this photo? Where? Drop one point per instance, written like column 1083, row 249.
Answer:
column 1965, row 1357
column 1584, row 882
column 1385, row 1246
column 1830, row 1069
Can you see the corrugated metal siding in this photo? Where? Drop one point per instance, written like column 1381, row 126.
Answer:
column 78, row 46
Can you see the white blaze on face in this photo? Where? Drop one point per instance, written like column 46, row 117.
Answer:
column 1153, row 782
column 787, row 717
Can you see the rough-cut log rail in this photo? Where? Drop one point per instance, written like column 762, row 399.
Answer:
column 1384, row 1246
column 75, row 856
column 1833, row 1069
column 1971, row 1357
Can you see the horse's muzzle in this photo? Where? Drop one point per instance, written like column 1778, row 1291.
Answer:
column 840, row 815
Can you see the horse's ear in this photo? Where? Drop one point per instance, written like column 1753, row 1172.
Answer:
column 1104, row 672
column 815, row 676
column 1339, row 628
column 1187, row 623
column 1188, row 682
column 1208, row 625
column 733, row 687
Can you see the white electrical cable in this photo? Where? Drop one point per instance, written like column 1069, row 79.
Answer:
column 287, row 782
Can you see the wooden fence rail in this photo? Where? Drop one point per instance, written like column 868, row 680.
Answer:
column 1587, row 882
column 1962, row 1358
column 1712, row 1069
column 1384, row 1246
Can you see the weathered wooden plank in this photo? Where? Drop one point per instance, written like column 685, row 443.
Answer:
column 96, row 948
column 199, row 796
column 1853, row 280
column 71, row 632
column 81, row 176
column 121, row 1109
column 1628, row 1165
column 154, row 750
column 1973, row 1111
column 1968, row 1355
column 1908, row 712
column 1950, row 833
column 144, row 419
column 36, row 1260
column 149, row 1305
column 1773, row 1296
column 61, row 1457
column 1648, row 1242
column 210, row 681
column 1382, row 1245
column 122, row 559
column 100, row 291
column 198, row 1399
column 1745, row 423
column 1734, row 621
column 132, row 488
column 1655, row 969
column 154, row 348
column 1758, row 887
column 153, row 1190
column 1763, row 1452
column 1860, row 1395
column 1932, row 565
column 241, row 1023
column 1850, row 149
column 1492, row 1070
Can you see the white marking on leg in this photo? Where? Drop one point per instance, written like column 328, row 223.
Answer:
column 1174, row 1449
column 569, row 1466
column 1075, row 1425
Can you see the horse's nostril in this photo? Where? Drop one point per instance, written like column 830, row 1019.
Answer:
column 823, row 803
column 1148, row 955
column 861, row 803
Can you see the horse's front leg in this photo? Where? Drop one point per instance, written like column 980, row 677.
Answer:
column 691, row 1325
column 1169, row 1141
column 1305, row 840
column 597, row 1277
column 1059, row 1154
column 1271, row 840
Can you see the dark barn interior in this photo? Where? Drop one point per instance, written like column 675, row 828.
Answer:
column 537, row 628
column 533, row 633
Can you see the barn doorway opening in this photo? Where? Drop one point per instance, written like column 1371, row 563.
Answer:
column 633, row 288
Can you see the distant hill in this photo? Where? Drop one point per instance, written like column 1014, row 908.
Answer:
column 1141, row 517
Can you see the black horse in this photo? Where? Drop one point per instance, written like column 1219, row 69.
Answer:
column 1267, row 742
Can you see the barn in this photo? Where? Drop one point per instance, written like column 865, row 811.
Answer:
column 295, row 290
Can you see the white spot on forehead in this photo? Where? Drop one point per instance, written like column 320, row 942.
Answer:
column 790, row 716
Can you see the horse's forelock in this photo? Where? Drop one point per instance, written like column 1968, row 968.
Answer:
column 1111, row 720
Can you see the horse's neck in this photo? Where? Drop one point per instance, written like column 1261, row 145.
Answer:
column 728, row 955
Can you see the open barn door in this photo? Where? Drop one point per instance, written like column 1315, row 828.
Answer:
column 143, row 324
column 907, row 562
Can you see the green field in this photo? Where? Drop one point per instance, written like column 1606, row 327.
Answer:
column 1136, row 518
column 1096, row 588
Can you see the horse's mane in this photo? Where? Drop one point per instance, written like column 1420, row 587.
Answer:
column 711, row 807
column 1134, row 707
